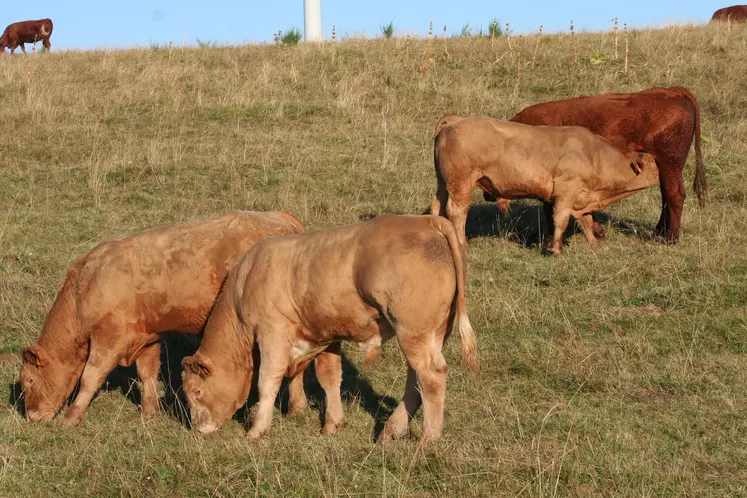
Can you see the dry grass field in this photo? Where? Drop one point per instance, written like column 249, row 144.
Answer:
column 620, row 371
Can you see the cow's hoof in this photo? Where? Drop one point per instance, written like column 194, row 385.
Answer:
column 295, row 410
column 149, row 412
column 391, row 433
column 331, row 428
column 598, row 230
column 254, row 435
column 68, row 422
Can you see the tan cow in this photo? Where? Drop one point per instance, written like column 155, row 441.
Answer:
column 119, row 298
column 295, row 295
column 570, row 168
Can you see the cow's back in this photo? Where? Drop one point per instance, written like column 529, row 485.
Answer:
column 334, row 279
column 735, row 13
column 630, row 121
column 169, row 277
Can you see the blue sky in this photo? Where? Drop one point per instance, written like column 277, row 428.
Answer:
column 85, row 24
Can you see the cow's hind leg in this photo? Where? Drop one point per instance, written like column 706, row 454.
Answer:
column 426, row 384
column 100, row 363
column 148, row 364
column 457, row 208
column 672, row 202
column 329, row 374
column 587, row 225
column 438, row 205
column 398, row 423
column 297, row 401
column 561, row 217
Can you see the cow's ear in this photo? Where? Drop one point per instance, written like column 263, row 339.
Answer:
column 198, row 366
column 32, row 355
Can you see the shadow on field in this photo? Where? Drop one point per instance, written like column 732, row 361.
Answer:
column 526, row 224
column 354, row 388
column 174, row 348
column 15, row 399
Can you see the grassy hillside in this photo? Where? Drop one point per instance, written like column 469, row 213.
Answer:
column 621, row 371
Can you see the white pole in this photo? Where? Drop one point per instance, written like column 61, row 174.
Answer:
column 312, row 20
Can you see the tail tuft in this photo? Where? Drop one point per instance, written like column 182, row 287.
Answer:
column 469, row 346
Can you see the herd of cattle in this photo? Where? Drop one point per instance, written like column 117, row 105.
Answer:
column 266, row 294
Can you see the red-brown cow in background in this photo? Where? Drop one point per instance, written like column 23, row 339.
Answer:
column 735, row 13
column 659, row 121
column 18, row 33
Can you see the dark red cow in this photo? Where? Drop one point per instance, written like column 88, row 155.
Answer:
column 735, row 13
column 22, row 32
column 660, row 121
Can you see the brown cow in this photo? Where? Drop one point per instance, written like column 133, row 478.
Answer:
column 566, row 167
column 123, row 295
column 18, row 33
column 735, row 13
column 292, row 296
column 659, row 121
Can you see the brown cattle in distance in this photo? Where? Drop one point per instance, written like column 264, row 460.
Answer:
column 735, row 13
column 18, row 33
column 568, row 168
column 120, row 297
column 293, row 296
column 659, row 121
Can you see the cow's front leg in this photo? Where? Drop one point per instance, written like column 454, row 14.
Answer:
column 100, row 363
column 587, row 225
column 148, row 364
column 274, row 363
column 329, row 374
column 23, row 48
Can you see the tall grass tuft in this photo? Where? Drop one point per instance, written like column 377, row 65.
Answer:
column 494, row 29
column 387, row 30
column 291, row 36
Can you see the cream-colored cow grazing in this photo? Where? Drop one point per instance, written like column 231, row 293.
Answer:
column 293, row 296
column 122, row 295
column 567, row 167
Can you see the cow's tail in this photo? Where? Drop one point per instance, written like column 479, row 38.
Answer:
column 466, row 333
column 700, row 183
column 438, row 204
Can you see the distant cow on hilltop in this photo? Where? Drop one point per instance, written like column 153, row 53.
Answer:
column 22, row 32
column 735, row 13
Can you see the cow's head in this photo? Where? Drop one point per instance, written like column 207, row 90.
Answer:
column 214, row 390
column 641, row 161
column 46, row 383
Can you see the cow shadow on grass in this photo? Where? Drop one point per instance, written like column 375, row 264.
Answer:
column 354, row 389
column 526, row 224
column 15, row 399
column 175, row 347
